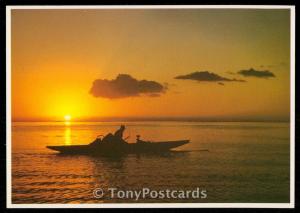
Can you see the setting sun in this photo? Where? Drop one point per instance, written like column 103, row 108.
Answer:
column 67, row 117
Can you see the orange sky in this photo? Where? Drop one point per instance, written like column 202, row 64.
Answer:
column 57, row 55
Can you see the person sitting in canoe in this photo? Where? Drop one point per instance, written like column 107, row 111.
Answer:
column 116, row 137
column 119, row 133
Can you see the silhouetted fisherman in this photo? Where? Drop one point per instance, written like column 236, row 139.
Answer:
column 119, row 133
column 116, row 137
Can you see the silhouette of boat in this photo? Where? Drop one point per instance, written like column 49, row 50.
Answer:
column 119, row 147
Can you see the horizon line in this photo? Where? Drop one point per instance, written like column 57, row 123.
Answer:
column 163, row 118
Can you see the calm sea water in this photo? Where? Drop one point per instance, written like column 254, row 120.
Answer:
column 232, row 161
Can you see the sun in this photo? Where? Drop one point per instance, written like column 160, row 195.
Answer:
column 67, row 117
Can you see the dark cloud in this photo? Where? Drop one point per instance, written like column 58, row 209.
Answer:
column 256, row 73
column 206, row 76
column 126, row 86
column 220, row 83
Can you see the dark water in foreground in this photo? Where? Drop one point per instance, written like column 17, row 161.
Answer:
column 245, row 162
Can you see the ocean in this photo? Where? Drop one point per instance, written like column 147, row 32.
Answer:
column 232, row 162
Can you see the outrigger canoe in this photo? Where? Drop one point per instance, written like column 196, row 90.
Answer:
column 122, row 147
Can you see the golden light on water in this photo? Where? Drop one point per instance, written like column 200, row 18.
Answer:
column 68, row 136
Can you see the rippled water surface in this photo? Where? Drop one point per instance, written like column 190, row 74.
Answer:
column 233, row 162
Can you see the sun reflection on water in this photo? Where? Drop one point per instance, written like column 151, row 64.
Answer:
column 67, row 123
column 68, row 133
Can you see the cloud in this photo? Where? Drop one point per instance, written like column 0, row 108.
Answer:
column 126, row 86
column 206, row 76
column 220, row 83
column 256, row 73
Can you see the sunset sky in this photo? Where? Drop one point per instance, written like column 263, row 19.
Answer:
column 157, row 63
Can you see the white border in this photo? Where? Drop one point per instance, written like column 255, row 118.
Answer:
column 292, row 105
column 156, row 7
column 154, row 205
column 8, row 107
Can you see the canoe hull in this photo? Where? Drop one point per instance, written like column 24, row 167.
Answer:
column 112, row 148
